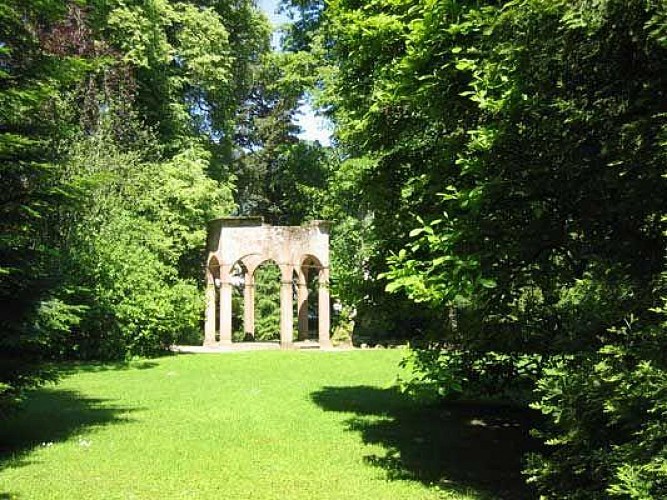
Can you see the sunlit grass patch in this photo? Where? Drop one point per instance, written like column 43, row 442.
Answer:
column 241, row 425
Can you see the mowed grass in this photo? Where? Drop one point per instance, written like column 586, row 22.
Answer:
column 253, row 425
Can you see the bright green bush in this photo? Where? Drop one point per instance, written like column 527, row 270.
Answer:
column 134, row 244
column 608, row 419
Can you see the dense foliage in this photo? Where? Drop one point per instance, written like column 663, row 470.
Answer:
column 30, row 120
column 116, row 138
column 514, row 160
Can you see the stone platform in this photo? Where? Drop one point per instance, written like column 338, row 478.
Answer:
column 250, row 346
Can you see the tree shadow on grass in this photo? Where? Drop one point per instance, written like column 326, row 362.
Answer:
column 52, row 415
column 460, row 447
column 93, row 367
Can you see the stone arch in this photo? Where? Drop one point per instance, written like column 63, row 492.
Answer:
column 251, row 242
column 238, row 275
column 251, row 261
column 212, row 269
column 247, row 266
column 309, row 265
column 267, row 279
column 310, row 260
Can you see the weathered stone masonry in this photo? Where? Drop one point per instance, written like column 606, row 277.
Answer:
column 248, row 242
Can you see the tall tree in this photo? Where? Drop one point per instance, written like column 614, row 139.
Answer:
column 278, row 174
column 36, row 64
column 356, row 47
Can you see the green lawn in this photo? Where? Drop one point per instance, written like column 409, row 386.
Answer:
column 254, row 425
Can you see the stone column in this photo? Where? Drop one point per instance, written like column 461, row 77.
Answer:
column 286, row 314
column 323, row 323
column 302, row 304
column 225, row 306
column 249, row 305
column 209, row 324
